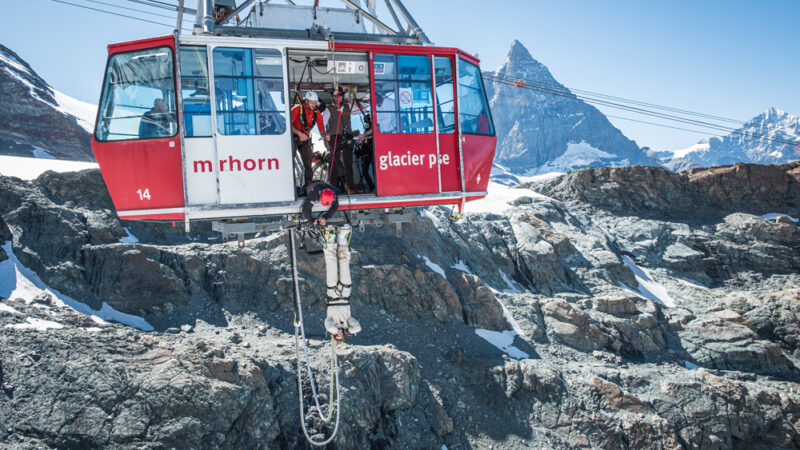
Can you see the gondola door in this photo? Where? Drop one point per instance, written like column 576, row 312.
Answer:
column 136, row 141
column 446, row 124
column 250, row 126
column 476, row 128
column 405, row 143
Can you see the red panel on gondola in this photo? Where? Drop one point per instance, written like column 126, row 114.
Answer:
column 142, row 175
column 406, row 164
column 142, row 172
column 478, row 156
column 451, row 174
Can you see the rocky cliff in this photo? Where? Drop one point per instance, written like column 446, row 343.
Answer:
column 640, row 309
column 36, row 120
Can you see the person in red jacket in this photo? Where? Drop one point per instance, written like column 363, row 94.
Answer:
column 304, row 117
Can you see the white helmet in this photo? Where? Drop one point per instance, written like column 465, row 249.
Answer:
column 311, row 95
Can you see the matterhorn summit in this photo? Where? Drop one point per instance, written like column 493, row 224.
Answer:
column 542, row 127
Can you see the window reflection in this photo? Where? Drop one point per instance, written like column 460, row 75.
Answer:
column 138, row 100
column 194, row 91
column 248, row 86
column 474, row 115
column 403, row 93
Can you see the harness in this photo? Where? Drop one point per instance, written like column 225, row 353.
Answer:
column 304, row 120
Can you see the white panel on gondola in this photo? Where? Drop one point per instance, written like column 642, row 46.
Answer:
column 237, row 147
column 199, row 154
column 253, row 141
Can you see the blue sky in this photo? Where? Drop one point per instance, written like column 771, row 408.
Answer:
column 729, row 58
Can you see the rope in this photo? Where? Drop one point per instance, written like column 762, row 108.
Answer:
column 300, row 336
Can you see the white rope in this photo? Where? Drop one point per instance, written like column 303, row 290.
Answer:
column 300, row 336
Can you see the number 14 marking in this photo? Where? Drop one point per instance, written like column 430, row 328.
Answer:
column 144, row 194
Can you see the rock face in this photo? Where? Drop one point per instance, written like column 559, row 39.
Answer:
column 636, row 323
column 539, row 131
column 699, row 194
column 31, row 119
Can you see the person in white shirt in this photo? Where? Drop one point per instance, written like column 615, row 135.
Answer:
column 386, row 114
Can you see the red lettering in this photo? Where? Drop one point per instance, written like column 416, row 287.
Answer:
column 231, row 161
column 233, row 164
column 203, row 166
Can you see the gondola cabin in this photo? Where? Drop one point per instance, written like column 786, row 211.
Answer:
column 198, row 127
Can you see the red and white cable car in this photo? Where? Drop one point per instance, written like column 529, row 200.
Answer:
column 197, row 127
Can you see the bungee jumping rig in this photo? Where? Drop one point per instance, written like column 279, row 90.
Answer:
column 320, row 119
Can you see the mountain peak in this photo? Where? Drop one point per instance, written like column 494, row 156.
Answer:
column 773, row 114
column 518, row 51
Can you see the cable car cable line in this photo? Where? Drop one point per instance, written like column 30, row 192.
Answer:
column 706, row 133
column 611, row 97
column 129, row 9
column 717, row 127
column 116, row 14
column 568, row 93
column 749, row 135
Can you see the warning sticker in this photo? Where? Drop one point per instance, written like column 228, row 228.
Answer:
column 406, row 97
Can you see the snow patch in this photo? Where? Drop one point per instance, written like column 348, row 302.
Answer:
column 499, row 198
column 503, row 340
column 462, row 267
column 578, row 155
column 435, row 267
column 433, row 218
column 16, row 71
column 648, row 287
column 83, row 111
column 509, row 318
column 699, row 147
column 773, row 216
column 510, row 283
column 11, row 61
column 541, row 178
column 17, row 281
column 35, row 324
column 129, row 239
column 692, row 283
column 30, row 168
column 8, row 309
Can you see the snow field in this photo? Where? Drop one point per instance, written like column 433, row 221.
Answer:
column 17, row 281
column 648, row 287
column 30, row 168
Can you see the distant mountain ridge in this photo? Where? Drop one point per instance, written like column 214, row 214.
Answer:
column 35, row 119
column 765, row 139
column 539, row 132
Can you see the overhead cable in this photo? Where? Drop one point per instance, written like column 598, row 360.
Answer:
column 564, row 92
column 115, row 14
column 129, row 9
column 622, row 99
column 637, row 110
